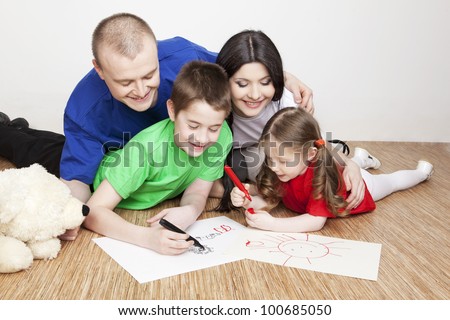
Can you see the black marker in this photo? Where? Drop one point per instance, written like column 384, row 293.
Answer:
column 169, row 226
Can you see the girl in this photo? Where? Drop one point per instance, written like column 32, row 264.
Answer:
column 257, row 84
column 299, row 170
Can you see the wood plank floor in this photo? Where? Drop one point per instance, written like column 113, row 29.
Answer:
column 411, row 225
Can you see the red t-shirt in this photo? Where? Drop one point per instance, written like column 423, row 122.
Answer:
column 299, row 197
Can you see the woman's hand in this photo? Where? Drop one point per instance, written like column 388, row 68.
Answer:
column 354, row 183
column 303, row 95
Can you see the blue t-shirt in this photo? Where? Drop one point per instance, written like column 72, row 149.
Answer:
column 95, row 122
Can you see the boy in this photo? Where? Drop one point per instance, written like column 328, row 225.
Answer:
column 184, row 153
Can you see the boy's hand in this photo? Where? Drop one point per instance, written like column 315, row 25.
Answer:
column 238, row 198
column 260, row 219
column 177, row 215
column 167, row 242
column 70, row 235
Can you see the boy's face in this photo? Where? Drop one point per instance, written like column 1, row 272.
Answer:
column 197, row 127
column 133, row 82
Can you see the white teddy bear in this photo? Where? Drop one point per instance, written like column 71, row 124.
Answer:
column 35, row 208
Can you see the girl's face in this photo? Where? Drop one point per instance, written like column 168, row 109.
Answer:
column 286, row 161
column 251, row 89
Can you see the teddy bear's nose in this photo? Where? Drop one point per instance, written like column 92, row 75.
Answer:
column 85, row 210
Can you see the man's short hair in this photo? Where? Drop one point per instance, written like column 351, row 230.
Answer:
column 123, row 32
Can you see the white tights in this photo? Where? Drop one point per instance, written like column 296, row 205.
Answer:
column 382, row 185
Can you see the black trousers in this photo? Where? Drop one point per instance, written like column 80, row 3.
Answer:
column 26, row 146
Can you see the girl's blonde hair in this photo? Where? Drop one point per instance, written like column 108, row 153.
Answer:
column 296, row 128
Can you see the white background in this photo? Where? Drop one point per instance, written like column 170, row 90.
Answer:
column 380, row 70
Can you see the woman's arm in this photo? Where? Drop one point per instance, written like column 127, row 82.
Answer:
column 353, row 182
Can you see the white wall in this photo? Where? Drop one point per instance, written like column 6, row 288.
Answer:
column 380, row 69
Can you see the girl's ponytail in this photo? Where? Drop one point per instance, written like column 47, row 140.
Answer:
column 327, row 181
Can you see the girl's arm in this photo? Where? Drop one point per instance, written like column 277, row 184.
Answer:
column 239, row 200
column 103, row 220
column 191, row 206
column 263, row 220
column 302, row 223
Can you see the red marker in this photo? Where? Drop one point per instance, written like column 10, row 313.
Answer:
column 236, row 181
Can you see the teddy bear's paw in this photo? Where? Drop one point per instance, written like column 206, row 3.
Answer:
column 45, row 249
column 14, row 255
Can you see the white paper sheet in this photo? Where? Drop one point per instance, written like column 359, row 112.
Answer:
column 145, row 265
column 312, row 252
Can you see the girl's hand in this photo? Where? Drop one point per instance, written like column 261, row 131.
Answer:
column 238, row 198
column 167, row 242
column 260, row 220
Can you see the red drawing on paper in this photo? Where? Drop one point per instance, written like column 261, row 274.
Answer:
column 222, row 229
column 299, row 247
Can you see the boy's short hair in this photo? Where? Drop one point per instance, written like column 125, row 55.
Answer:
column 201, row 81
column 124, row 32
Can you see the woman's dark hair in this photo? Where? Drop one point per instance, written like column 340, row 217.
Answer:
column 245, row 47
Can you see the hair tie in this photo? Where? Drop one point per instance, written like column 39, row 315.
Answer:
column 319, row 143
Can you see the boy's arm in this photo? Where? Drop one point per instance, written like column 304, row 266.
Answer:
column 78, row 189
column 192, row 204
column 103, row 220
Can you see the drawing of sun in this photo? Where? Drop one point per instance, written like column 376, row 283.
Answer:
column 298, row 247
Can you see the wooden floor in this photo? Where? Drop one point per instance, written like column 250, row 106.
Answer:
column 412, row 226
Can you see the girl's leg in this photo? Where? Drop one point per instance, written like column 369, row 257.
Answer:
column 382, row 185
column 365, row 160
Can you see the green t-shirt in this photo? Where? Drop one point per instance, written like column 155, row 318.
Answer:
column 151, row 168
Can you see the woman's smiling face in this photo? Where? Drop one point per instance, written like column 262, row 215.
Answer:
column 251, row 89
